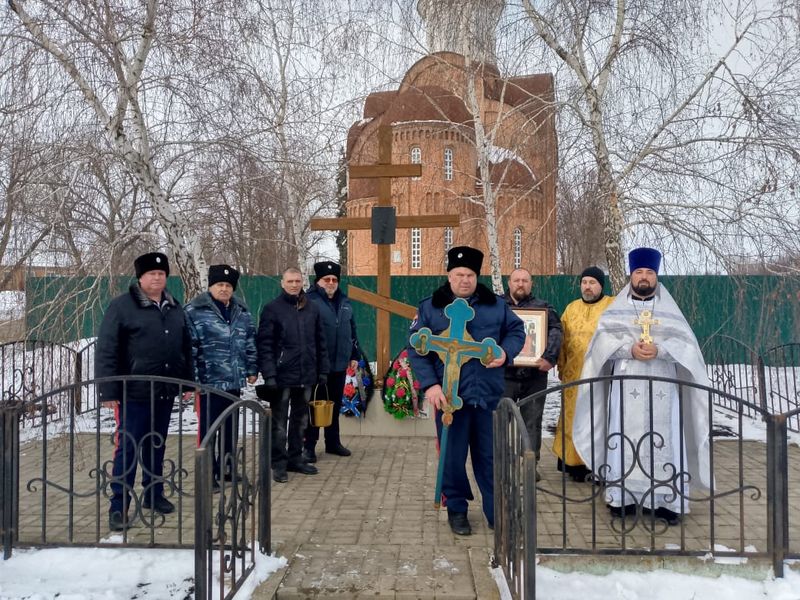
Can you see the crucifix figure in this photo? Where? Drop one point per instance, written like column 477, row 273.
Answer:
column 383, row 223
column 645, row 319
column 455, row 346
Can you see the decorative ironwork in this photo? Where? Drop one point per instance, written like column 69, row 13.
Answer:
column 68, row 492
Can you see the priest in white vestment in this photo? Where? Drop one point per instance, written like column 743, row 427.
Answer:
column 629, row 431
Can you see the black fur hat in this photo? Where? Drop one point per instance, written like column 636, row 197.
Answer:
column 464, row 256
column 325, row 268
column 152, row 261
column 220, row 273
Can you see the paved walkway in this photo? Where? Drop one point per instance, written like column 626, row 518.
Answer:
column 365, row 526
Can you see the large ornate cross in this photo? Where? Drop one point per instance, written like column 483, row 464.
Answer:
column 645, row 319
column 384, row 171
column 455, row 346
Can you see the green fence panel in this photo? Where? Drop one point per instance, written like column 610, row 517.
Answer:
column 760, row 311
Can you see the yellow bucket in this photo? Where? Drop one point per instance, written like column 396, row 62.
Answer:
column 321, row 413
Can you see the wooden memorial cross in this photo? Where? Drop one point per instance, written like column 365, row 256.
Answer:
column 455, row 346
column 383, row 171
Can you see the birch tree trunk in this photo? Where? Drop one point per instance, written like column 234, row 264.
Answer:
column 133, row 145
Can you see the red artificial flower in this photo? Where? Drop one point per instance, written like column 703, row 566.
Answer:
column 402, row 373
column 351, row 372
column 390, row 381
column 349, row 390
column 416, row 384
column 396, row 364
column 404, row 354
column 401, row 392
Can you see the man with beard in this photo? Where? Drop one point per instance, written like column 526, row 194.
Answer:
column 579, row 321
column 521, row 382
column 480, row 387
column 647, row 439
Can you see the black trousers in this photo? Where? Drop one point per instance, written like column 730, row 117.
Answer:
column 332, row 391
column 289, row 419
column 141, row 437
column 531, row 412
column 209, row 408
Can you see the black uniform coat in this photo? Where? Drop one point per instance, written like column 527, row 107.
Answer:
column 139, row 338
column 340, row 327
column 555, row 335
column 291, row 341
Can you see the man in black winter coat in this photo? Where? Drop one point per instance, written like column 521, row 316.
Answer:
column 521, row 382
column 143, row 333
column 292, row 357
column 343, row 352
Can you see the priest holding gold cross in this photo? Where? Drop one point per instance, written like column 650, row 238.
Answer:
column 479, row 335
column 647, row 440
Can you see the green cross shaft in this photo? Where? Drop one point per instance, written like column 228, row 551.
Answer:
column 455, row 346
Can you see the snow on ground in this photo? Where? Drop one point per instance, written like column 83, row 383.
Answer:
column 111, row 574
column 661, row 585
column 99, row 574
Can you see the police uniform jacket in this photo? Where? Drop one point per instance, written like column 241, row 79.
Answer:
column 493, row 318
column 223, row 351
column 138, row 337
column 555, row 335
column 339, row 325
column 291, row 341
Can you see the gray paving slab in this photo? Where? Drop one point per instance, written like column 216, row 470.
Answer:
column 365, row 526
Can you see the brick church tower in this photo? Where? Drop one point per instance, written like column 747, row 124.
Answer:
column 432, row 125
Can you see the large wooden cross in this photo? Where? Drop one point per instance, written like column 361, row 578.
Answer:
column 383, row 171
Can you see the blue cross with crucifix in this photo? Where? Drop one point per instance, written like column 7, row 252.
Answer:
column 455, row 346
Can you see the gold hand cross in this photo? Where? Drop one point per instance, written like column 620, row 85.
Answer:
column 645, row 320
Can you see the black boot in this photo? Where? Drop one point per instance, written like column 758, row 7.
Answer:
column 459, row 523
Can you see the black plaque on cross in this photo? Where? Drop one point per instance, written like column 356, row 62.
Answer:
column 384, row 171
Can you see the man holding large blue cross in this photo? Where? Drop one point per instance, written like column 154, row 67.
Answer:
column 480, row 385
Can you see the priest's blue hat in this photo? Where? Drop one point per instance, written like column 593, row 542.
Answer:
column 644, row 258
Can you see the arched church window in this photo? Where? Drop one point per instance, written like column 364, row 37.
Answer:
column 517, row 248
column 448, row 164
column 416, row 248
column 448, row 239
column 416, row 158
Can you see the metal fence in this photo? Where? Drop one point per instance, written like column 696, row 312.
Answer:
column 59, row 477
column 232, row 510
column 30, row 369
column 515, row 501
column 743, row 510
column 767, row 379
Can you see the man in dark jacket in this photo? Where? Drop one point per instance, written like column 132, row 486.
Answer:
column 223, row 356
column 143, row 333
column 479, row 387
column 521, row 382
column 292, row 357
column 343, row 352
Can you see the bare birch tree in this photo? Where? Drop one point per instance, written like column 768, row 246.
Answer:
column 688, row 111
column 104, row 51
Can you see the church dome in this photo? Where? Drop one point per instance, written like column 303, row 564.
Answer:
column 429, row 103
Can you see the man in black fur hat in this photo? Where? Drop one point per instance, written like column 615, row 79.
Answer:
column 479, row 387
column 336, row 313
column 144, row 333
